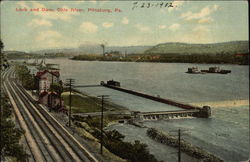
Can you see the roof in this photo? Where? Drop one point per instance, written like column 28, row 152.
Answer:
column 41, row 73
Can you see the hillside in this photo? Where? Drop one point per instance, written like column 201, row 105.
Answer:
column 184, row 48
column 95, row 49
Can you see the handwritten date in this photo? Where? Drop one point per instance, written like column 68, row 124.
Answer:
column 152, row 4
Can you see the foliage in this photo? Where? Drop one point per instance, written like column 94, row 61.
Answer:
column 134, row 152
column 10, row 135
column 26, row 78
column 113, row 141
column 87, row 57
column 219, row 58
column 1, row 45
column 56, row 87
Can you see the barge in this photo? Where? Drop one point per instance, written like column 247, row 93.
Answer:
column 215, row 69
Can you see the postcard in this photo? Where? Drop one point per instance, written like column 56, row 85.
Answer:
column 159, row 80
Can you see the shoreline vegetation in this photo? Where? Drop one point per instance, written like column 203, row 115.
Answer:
column 89, row 127
column 171, row 58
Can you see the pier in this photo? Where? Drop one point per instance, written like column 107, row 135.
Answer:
column 190, row 110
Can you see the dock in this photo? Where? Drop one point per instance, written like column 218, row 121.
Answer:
column 203, row 112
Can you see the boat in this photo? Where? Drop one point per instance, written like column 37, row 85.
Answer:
column 193, row 70
column 216, row 69
column 111, row 83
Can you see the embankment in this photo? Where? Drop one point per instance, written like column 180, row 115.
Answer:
column 186, row 147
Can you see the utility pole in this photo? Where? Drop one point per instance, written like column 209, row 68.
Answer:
column 179, row 150
column 1, row 101
column 103, row 98
column 184, row 132
column 103, row 49
column 69, row 83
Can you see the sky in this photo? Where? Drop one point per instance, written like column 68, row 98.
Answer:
column 121, row 23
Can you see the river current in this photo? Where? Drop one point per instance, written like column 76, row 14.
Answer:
column 226, row 134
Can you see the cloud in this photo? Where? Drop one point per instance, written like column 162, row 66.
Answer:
column 88, row 27
column 142, row 28
column 50, row 39
column 174, row 27
column 204, row 12
column 107, row 24
column 93, row 1
column 205, row 20
column 176, row 5
column 162, row 26
column 37, row 22
column 125, row 20
column 200, row 34
column 201, row 28
column 48, row 35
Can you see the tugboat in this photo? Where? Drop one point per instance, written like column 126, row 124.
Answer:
column 193, row 70
column 111, row 83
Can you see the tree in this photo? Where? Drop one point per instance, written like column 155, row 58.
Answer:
column 27, row 79
column 58, row 88
column 10, row 135
column 1, row 56
column 1, row 45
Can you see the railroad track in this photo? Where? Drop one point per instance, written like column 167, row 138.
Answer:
column 48, row 140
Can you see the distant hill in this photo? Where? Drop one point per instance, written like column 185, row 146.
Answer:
column 185, row 48
column 129, row 49
column 95, row 49
column 16, row 54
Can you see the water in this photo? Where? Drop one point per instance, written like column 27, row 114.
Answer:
column 226, row 134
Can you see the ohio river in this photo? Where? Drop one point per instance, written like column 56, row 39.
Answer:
column 226, row 134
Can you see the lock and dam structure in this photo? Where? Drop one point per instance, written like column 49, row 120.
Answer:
column 187, row 110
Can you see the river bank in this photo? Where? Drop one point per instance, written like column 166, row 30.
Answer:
column 170, row 58
column 168, row 80
column 183, row 145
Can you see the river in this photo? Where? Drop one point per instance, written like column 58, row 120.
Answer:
column 226, row 134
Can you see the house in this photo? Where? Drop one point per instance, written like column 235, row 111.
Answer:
column 44, row 79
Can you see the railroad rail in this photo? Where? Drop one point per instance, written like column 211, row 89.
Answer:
column 47, row 139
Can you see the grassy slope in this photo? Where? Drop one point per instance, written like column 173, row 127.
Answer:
column 184, row 48
column 83, row 104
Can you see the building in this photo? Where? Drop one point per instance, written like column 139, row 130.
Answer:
column 44, row 79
